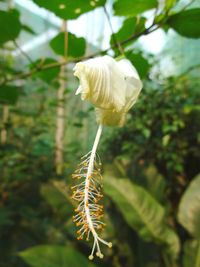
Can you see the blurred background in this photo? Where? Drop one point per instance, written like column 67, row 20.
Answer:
column 151, row 165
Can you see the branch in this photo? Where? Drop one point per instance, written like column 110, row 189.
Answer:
column 39, row 68
column 23, row 53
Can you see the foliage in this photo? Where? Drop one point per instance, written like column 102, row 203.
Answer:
column 189, row 213
column 76, row 46
column 142, row 212
column 186, row 23
column 152, row 183
column 54, row 256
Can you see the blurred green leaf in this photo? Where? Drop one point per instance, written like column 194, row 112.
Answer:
column 9, row 26
column 156, row 183
column 70, row 9
column 9, row 94
column 76, row 45
column 186, row 23
column 169, row 4
column 56, row 199
column 189, row 209
column 130, row 26
column 140, row 63
column 28, row 29
column 191, row 251
column 142, row 212
column 132, row 8
column 54, row 256
column 5, row 217
column 42, row 146
column 47, row 75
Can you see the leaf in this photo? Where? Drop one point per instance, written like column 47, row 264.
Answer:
column 9, row 94
column 70, row 9
column 9, row 26
column 190, row 256
column 130, row 26
column 76, row 45
column 186, row 23
column 169, row 4
column 54, row 256
column 133, row 8
column 47, row 75
column 142, row 212
column 156, row 183
column 189, row 209
column 140, row 63
column 57, row 200
column 28, row 29
column 5, row 217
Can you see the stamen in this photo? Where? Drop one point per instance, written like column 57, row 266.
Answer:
column 88, row 193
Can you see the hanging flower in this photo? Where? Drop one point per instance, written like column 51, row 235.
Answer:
column 113, row 88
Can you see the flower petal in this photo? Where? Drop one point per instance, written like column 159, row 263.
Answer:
column 111, row 86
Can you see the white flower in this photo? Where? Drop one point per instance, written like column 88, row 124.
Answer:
column 111, row 86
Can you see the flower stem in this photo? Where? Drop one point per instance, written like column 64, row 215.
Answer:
column 87, row 181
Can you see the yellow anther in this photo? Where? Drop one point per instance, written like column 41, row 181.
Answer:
column 110, row 245
column 91, row 257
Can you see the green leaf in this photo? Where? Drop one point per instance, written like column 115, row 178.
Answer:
column 54, row 256
column 169, row 4
column 70, row 9
column 130, row 27
column 56, row 199
column 142, row 212
column 9, row 26
column 156, row 183
column 46, row 75
column 140, row 63
column 76, row 45
column 5, row 217
column 186, row 23
column 133, row 8
column 189, row 209
column 9, row 94
column 191, row 256
column 26, row 28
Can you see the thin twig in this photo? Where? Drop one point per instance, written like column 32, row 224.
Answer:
column 187, row 5
column 120, row 49
column 23, row 52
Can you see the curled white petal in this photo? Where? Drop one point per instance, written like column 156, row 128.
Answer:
column 111, row 86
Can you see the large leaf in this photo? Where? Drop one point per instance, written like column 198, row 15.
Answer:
column 142, row 212
column 76, row 45
column 54, row 256
column 132, row 8
column 191, row 257
column 140, row 63
column 186, row 23
column 189, row 209
column 9, row 26
column 9, row 94
column 70, row 9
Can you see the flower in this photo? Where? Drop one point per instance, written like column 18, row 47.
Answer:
column 111, row 86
